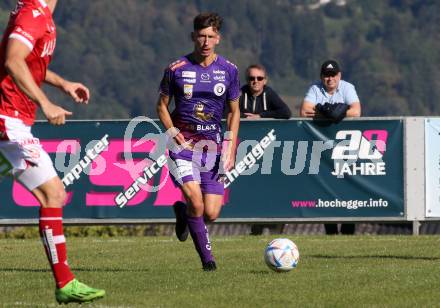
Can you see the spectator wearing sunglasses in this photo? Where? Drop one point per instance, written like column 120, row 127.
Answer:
column 259, row 100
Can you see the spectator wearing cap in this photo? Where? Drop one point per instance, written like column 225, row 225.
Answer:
column 259, row 100
column 331, row 89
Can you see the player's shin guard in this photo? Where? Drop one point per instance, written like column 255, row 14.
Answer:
column 51, row 231
column 200, row 236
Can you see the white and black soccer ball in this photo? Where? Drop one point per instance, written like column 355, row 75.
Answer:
column 281, row 255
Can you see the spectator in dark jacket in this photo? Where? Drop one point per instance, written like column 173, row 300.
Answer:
column 259, row 100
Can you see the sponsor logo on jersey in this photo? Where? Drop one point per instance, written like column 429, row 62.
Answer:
column 186, row 80
column 205, row 77
column 219, row 72
column 189, row 74
column 49, row 48
column 219, row 89
column 188, row 90
column 200, row 112
column 219, row 78
column 206, row 127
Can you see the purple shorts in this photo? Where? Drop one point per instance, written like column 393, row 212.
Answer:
column 202, row 167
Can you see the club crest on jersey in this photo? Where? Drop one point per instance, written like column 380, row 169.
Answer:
column 188, row 91
column 199, row 112
column 219, row 89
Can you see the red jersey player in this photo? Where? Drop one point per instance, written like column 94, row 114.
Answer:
column 25, row 53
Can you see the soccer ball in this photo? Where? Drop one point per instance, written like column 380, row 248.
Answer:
column 281, row 255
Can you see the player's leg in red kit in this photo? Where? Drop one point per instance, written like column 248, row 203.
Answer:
column 52, row 196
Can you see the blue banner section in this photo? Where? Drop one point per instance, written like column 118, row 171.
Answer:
column 284, row 169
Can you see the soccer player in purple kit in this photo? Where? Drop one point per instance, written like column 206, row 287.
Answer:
column 201, row 84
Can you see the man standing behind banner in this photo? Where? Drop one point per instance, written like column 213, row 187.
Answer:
column 330, row 90
column 258, row 100
column 201, row 83
column 334, row 99
column 25, row 52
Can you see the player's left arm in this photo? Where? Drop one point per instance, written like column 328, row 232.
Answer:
column 233, row 124
column 79, row 92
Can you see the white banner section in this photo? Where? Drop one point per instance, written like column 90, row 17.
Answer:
column 432, row 166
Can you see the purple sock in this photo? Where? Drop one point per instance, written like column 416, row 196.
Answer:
column 200, row 236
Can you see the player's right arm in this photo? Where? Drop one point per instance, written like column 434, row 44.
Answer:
column 15, row 64
column 165, row 117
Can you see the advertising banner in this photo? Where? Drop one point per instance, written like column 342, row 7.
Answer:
column 284, row 169
column 432, row 167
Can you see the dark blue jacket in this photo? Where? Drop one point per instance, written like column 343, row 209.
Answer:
column 268, row 104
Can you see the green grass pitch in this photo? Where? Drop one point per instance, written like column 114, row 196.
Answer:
column 333, row 271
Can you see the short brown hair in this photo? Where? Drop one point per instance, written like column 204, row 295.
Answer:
column 258, row 67
column 206, row 20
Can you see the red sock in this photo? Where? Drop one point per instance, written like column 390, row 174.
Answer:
column 51, row 231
